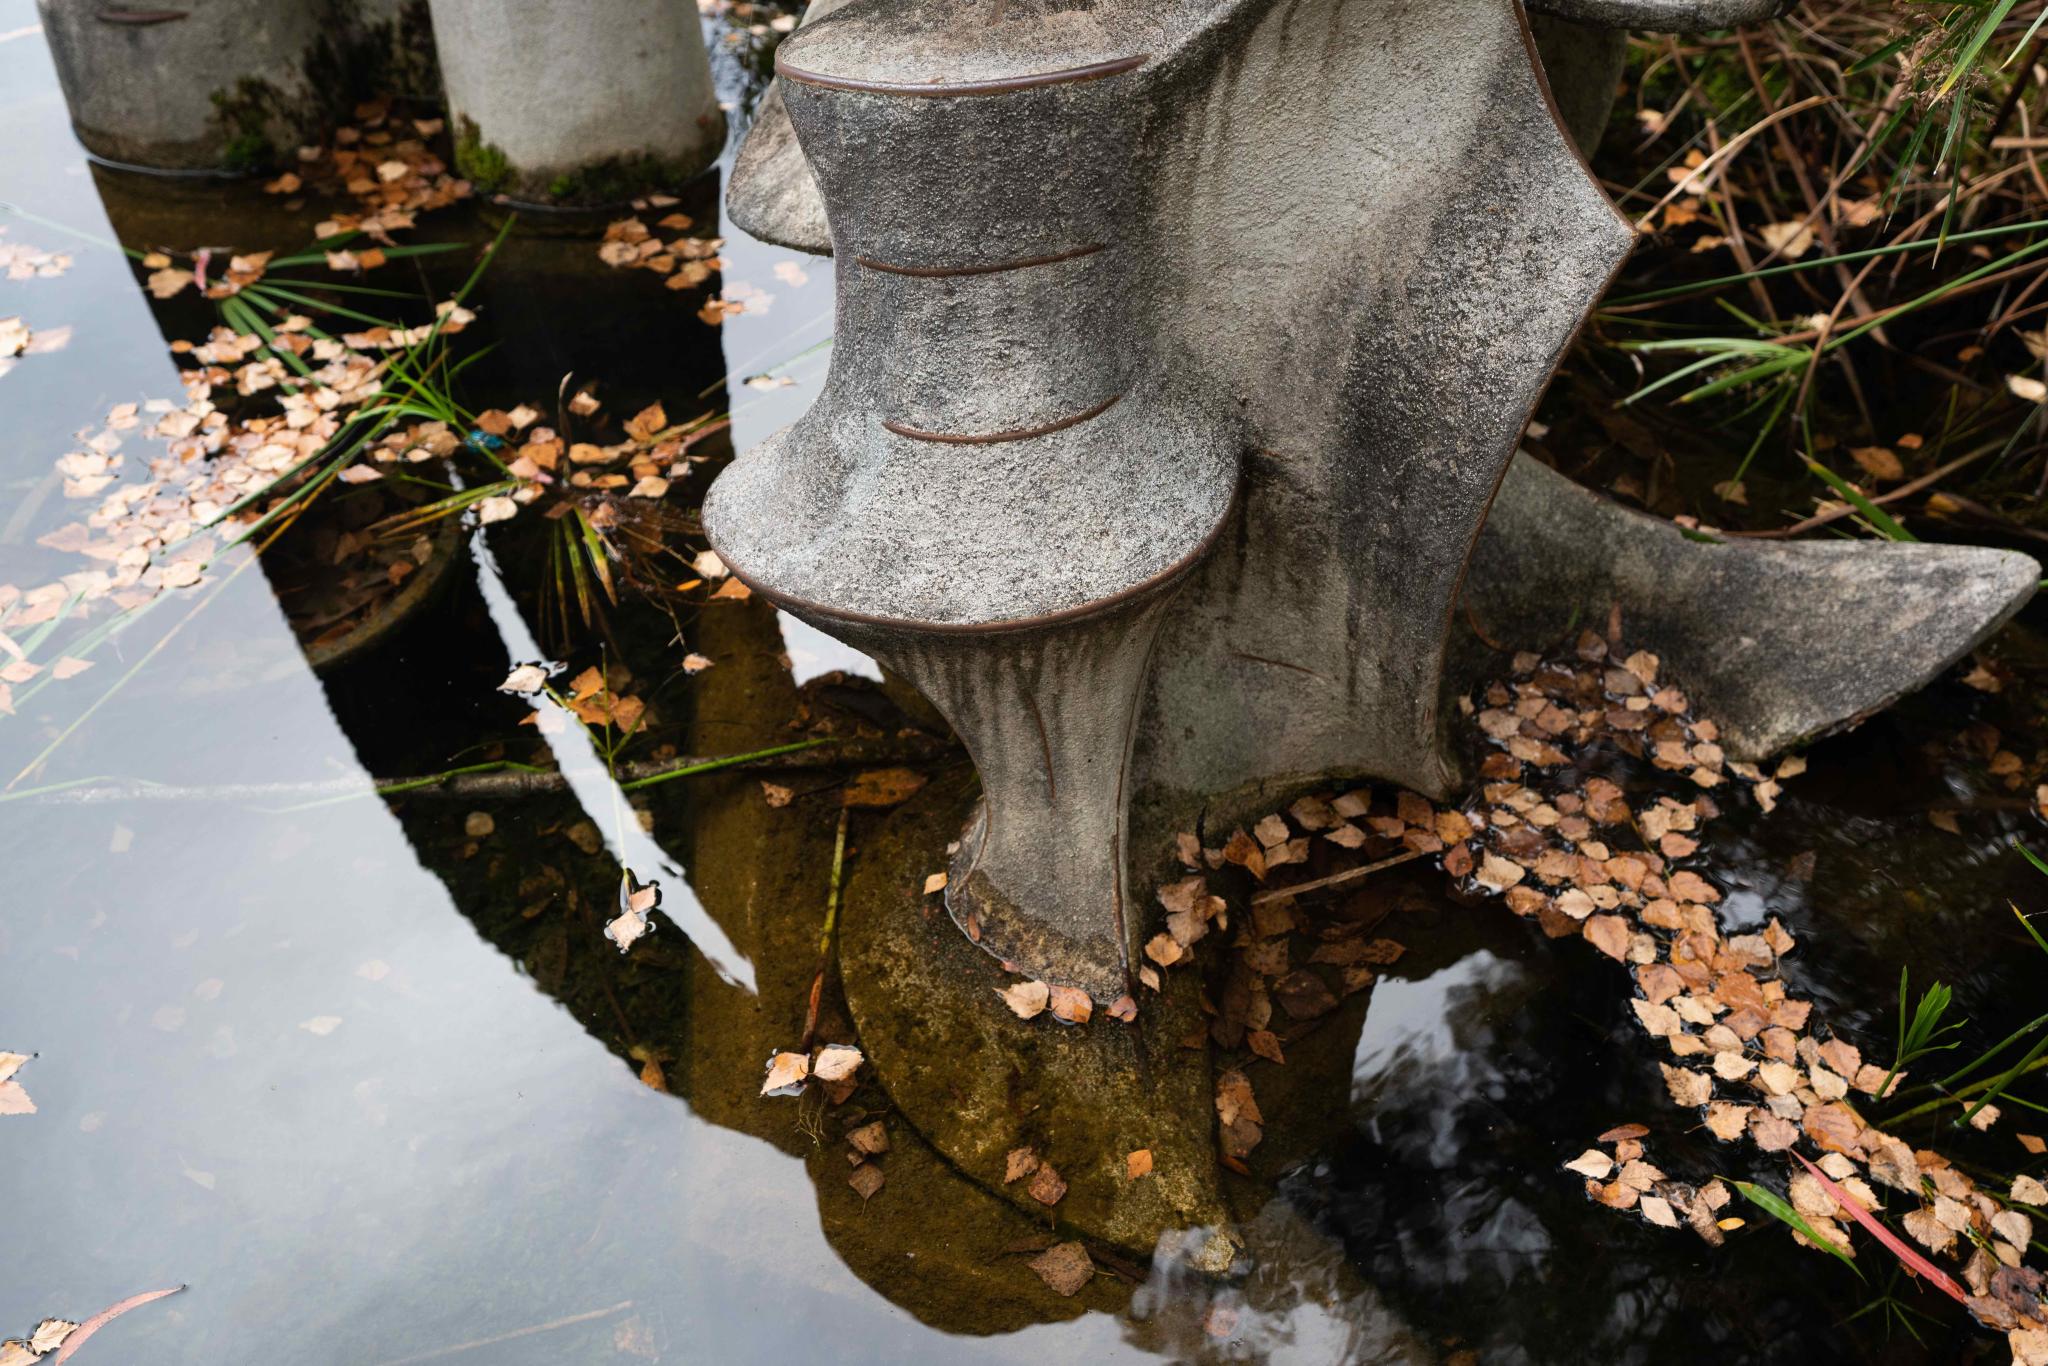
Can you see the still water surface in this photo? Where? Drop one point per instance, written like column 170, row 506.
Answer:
column 372, row 1087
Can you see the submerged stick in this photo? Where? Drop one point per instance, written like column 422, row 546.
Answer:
column 825, row 939
column 1333, row 880
column 481, row 781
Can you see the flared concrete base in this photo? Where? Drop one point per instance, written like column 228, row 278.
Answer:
column 977, row 1082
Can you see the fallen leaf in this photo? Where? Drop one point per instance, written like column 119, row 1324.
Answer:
column 1027, row 999
column 1064, row 1267
column 1138, row 1164
column 1071, row 1005
column 1592, row 1164
column 526, row 679
column 836, row 1062
column 936, row 882
column 871, row 1138
column 76, row 1338
column 786, row 1073
column 321, row 1025
column 14, row 1100
column 866, row 1180
column 880, row 787
column 1046, row 1186
column 1019, row 1164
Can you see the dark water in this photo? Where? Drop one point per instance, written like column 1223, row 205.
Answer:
column 371, row 1086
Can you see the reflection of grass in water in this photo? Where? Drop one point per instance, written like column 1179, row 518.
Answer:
column 418, row 385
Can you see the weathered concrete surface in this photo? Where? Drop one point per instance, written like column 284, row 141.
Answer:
column 1779, row 641
column 218, row 85
column 1582, row 64
column 977, row 1081
column 772, row 194
column 577, row 103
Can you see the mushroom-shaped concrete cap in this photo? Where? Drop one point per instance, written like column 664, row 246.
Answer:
column 935, row 49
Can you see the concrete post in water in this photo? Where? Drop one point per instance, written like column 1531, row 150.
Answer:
column 1182, row 348
column 213, row 85
column 577, row 104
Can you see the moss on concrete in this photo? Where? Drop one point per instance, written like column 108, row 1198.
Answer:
column 481, row 163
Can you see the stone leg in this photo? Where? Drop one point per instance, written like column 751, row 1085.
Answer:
column 1048, row 714
column 1780, row 642
column 577, row 104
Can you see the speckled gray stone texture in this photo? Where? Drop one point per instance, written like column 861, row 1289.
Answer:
column 141, row 92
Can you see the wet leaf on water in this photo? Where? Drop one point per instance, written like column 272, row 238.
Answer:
column 866, row 1180
column 935, row 882
column 1070, row 1005
column 1046, row 1186
column 526, row 679
column 1123, row 1008
column 1138, row 1164
column 15, row 1352
column 76, row 1338
column 479, row 824
column 1592, row 1164
column 1266, row 1044
column 881, row 787
column 1027, row 999
column 776, row 795
column 869, row 1139
column 786, row 1073
column 2026, row 1190
column 1303, row 995
column 49, row 1335
column 836, row 1062
column 14, row 1100
column 2033, row 1143
column 1019, row 1164
column 1688, row 1088
column 1064, row 1267
column 321, row 1025
column 1609, row 934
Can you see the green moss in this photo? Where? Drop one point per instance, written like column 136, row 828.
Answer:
column 245, row 116
column 617, row 179
column 482, row 164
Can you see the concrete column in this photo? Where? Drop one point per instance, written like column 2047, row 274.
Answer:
column 577, row 104
column 213, row 85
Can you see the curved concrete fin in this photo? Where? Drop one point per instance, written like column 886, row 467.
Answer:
column 1780, row 642
column 772, row 193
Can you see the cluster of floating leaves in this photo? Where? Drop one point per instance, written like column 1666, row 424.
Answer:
column 160, row 531
column 387, row 164
column 685, row 262
column 20, row 261
column 1573, row 854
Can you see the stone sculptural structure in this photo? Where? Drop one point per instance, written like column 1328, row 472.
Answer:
column 1183, row 347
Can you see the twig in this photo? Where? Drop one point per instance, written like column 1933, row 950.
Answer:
column 482, row 782
column 552, row 1324
column 1905, row 490
column 1333, row 880
column 825, row 939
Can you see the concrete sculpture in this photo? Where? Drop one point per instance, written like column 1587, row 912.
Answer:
column 1183, row 346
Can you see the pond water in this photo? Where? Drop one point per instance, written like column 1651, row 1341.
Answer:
column 367, row 1079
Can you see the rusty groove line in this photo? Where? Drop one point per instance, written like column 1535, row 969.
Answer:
column 1021, row 434
column 940, row 272
column 1279, row 664
column 1001, row 85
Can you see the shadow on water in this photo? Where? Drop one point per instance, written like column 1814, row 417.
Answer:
column 273, row 1065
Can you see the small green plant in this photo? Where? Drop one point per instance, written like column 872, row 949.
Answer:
column 1918, row 1035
